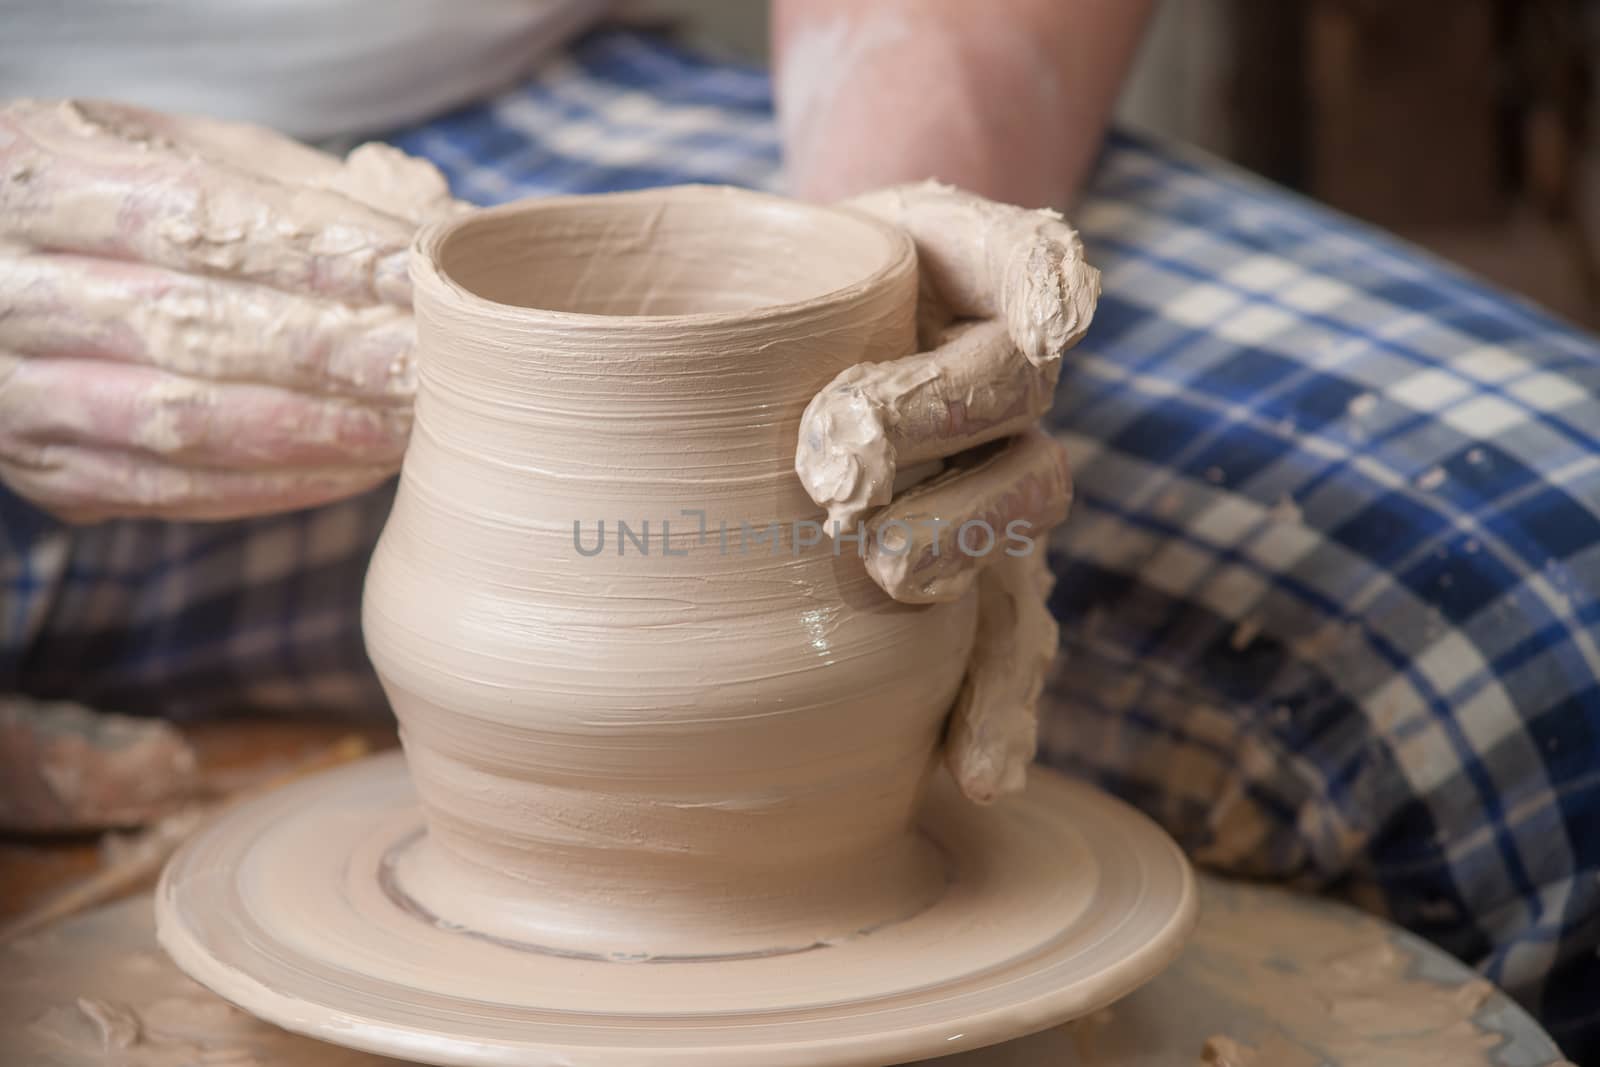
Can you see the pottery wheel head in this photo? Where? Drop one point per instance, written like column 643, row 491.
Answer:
column 1057, row 903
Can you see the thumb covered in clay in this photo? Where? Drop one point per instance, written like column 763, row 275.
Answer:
column 981, row 259
column 200, row 319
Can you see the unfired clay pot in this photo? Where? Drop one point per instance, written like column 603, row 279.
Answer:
column 714, row 752
column 698, row 749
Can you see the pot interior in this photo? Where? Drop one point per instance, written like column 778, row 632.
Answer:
column 687, row 251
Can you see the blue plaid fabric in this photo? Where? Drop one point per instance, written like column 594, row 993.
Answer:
column 1329, row 595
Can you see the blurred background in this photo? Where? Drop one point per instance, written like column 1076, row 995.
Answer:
column 1471, row 127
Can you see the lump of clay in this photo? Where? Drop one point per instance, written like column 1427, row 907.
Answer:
column 67, row 769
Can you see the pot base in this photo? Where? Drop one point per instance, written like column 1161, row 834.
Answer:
column 1060, row 901
column 863, row 901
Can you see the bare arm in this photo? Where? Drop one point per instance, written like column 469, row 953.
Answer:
column 1007, row 98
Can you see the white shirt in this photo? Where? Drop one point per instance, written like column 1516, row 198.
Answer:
column 311, row 68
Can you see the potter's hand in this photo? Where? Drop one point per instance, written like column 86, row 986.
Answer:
column 1005, row 291
column 199, row 319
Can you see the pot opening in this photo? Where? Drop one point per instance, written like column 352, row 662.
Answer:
column 688, row 251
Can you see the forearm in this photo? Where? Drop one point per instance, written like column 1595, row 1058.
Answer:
column 1008, row 99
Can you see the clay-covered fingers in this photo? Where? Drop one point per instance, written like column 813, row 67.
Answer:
column 265, row 151
column 200, row 319
column 1015, row 285
column 375, row 174
column 875, row 420
column 378, row 175
column 933, row 541
column 90, row 439
column 179, row 419
column 993, row 728
column 392, row 181
column 117, row 183
column 985, row 260
column 217, row 329
column 81, row 484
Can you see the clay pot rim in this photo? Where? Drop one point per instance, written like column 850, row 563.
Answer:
column 430, row 245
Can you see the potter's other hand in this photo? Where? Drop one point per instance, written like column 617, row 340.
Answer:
column 199, row 319
column 1005, row 291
